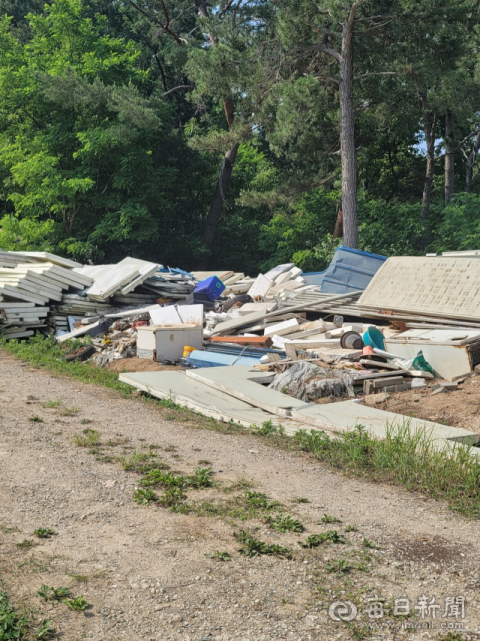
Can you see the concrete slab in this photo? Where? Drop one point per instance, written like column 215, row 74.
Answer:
column 204, row 399
column 334, row 417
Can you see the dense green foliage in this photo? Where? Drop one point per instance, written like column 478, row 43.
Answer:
column 113, row 128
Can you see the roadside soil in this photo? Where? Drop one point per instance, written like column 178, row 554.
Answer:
column 459, row 408
column 150, row 574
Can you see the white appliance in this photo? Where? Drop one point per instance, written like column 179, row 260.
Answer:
column 166, row 342
column 450, row 352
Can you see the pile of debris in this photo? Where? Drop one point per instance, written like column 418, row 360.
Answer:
column 366, row 326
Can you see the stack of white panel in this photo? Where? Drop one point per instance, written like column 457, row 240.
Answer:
column 27, row 292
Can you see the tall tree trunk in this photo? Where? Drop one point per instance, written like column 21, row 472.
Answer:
column 228, row 162
column 470, row 163
column 430, row 119
column 449, row 157
column 217, row 202
column 347, row 135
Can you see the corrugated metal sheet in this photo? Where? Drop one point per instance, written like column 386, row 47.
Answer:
column 444, row 286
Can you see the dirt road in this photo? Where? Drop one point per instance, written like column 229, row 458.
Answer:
column 152, row 574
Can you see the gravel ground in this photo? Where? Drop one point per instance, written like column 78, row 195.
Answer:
column 145, row 570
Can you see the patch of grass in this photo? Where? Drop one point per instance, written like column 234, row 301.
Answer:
column 26, row 544
column 174, row 497
column 285, row 523
column 340, row 566
column 88, row 438
column 300, row 499
column 46, row 352
column 202, row 477
column 259, row 500
column 86, row 421
column 220, row 556
column 70, row 411
column 142, row 462
column 404, row 457
column 12, row 624
column 53, row 594
column 45, row 631
column 255, row 547
column 241, row 483
column 329, row 519
column 168, row 403
column 144, row 497
column 314, row 540
column 267, row 428
column 51, row 404
column 80, row 578
column 44, row 533
column 35, row 419
column 77, row 605
column 350, row 528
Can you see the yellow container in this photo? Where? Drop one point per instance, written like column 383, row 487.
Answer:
column 187, row 350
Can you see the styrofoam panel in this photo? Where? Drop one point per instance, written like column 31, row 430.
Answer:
column 444, row 286
column 52, row 258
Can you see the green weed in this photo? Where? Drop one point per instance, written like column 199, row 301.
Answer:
column 340, row 566
column 350, row 528
column 220, row 556
column 368, row 544
column 300, row 499
column 202, row 477
column 255, row 547
column 314, row 540
column 45, row 631
column 173, row 498
column 52, row 404
column 267, row 428
column 329, row 519
column 142, row 462
column 35, row 419
column 70, row 411
column 164, row 479
column 144, row 497
column 88, row 438
column 77, row 605
column 285, row 523
column 241, row 483
column 259, row 500
column 86, row 421
column 44, row 533
column 53, row 594
column 26, row 544
column 12, row 624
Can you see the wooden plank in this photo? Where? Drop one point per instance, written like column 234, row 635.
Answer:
column 257, row 341
column 291, row 352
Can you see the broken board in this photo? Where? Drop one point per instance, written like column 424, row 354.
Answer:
column 202, row 398
column 243, row 384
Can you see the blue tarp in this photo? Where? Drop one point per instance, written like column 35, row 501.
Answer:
column 350, row 270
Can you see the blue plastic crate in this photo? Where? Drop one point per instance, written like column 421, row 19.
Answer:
column 212, row 287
